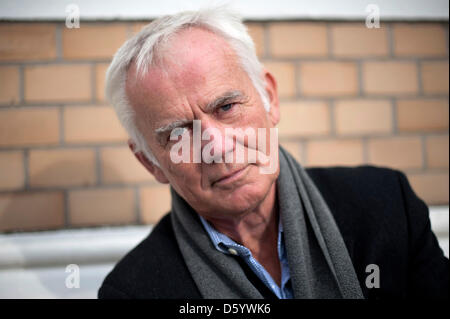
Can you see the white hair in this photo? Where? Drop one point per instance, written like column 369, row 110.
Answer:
column 141, row 49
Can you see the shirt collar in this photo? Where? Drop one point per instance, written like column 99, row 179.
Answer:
column 222, row 242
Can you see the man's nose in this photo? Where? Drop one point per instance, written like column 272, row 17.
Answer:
column 215, row 142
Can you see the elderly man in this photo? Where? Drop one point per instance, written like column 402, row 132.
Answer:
column 252, row 224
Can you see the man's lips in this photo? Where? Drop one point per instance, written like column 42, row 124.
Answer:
column 231, row 177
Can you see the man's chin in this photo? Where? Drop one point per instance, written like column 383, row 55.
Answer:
column 239, row 200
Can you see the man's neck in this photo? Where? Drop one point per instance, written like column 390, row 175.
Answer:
column 258, row 231
column 254, row 225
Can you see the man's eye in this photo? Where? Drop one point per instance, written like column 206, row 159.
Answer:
column 176, row 133
column 226, row 107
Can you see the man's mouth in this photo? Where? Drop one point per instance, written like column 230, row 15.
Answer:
column 231, row 177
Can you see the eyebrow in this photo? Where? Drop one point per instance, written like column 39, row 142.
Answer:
column 161, row 131
column 219, row 101
column 222, row 99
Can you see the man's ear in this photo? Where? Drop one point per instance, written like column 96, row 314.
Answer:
column 272, row 93
column 152, row 168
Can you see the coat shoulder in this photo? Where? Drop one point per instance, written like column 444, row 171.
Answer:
column 367, row 192
column 366, row 201
column 154, row 269
column 384, row 223
column 359, row 180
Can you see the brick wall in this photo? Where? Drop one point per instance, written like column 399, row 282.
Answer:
column 350, row 96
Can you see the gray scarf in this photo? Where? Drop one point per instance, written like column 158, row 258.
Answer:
column 319, row 263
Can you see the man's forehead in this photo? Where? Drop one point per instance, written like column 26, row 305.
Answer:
column 189, row 43
column 194, row 53
column 195, row 62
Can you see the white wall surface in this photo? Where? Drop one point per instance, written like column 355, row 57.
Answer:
column 249, row 9
column 33, row 265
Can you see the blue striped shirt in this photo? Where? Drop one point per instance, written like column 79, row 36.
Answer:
column 228, row 246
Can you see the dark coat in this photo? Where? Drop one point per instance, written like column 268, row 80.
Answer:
column 381, row 221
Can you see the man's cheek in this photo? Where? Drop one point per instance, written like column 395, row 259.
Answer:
column 184, row 171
